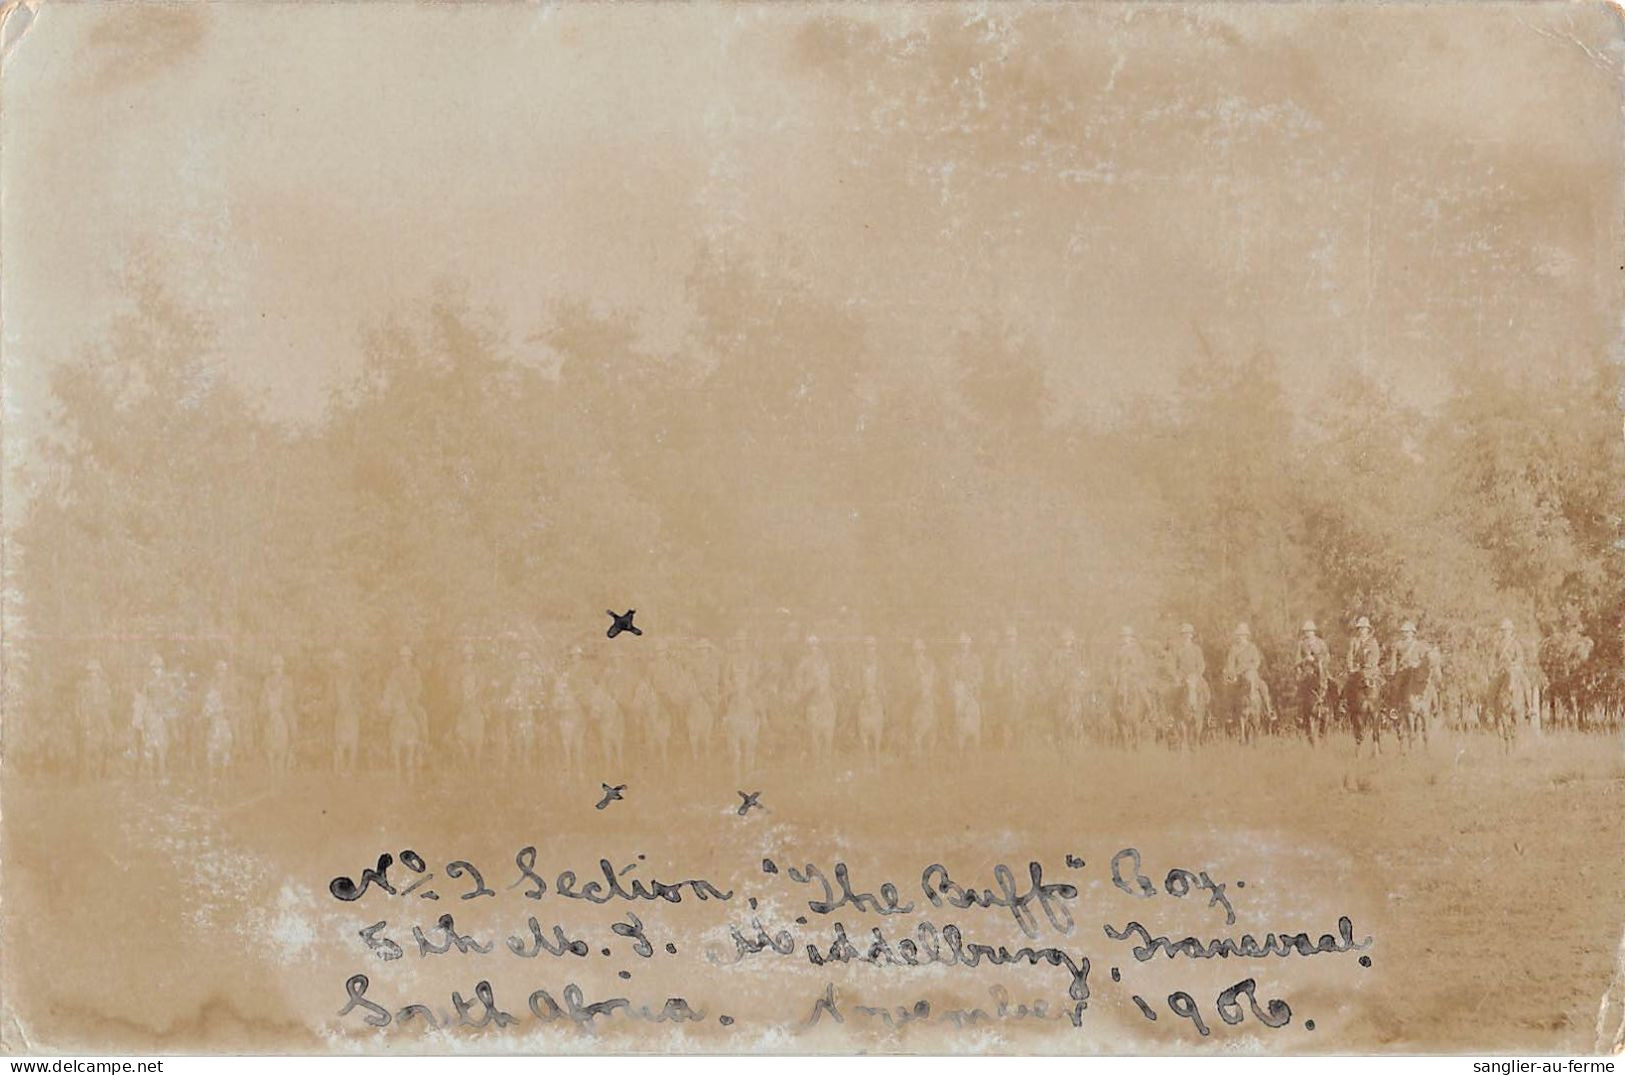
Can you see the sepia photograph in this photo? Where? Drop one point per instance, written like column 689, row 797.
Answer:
column 1014, row 529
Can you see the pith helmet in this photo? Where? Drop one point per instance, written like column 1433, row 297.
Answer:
column 1242, row 630
column 1128, row 632
column 1362, row 622
column 1506, row 625
column 1309, row 627
column 1407, row 628
column 1186, row 629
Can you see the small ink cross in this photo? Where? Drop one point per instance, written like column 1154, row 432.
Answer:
column 611, row 794
column 623, row 622
column 748, row 800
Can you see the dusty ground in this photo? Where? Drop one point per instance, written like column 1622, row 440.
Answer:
column 197, row 920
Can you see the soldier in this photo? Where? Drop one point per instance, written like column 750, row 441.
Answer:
column 276, row 709
column 1131, row 688
column 648, row 708
column 707, row 669
column 1190, row 679
column 93, row 710
column 1562, row 661
column 218, row 720
column 343, row 700
column 1409, row 668
column 812, row 682
column 1363, row 684
column 871, row 703
column 568, row 688
column 1069, row 676
column 924, row 724
column 773, row 687
column 527, row 696
column 154, row 712
column 608, row 719
column 1012, row 686
column 698, row 704
column 470, row 709
column 966, row 678
column 740, row 721
column 403, row 705
column 1243, row 675
column 1510, row 686
column 1313, row 667
column 57, row 744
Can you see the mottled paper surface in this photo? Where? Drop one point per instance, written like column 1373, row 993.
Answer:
column 973, row 402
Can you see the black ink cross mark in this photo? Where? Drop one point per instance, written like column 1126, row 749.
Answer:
column 623, row 622
column 748, row 800
column 611, row 794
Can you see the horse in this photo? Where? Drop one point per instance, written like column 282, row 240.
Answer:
column 1190, row 701
column 1131, row 710
column 1507, row 704
column 1314, row 704
column 1361, row 696
column 1076, row 708
column 1248, row 704
column 1413, row 696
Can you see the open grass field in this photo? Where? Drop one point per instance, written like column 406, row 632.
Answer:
column 1491, row 886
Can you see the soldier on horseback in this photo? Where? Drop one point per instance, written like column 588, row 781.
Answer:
column 1363, row 684
column 872, row 704
column 471, row 692
column 740, row 720
column 1012, row 691
column 93, row 703
column 814, row 685
column 155, row 705
column 1070, row 677
column 344, row 702
column 281, row 719
column 1510, row 686
column 1410, row 672
column 1243, row 677
column 923, row 726
column 1131, row 690
column 965, row 688
column 402, row 706
column 1190, row 679
column 218, row 721
column 1313, row 665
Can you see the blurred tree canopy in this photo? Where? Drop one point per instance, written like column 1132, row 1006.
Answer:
column 462, row 486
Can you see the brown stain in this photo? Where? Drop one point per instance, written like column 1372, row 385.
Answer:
column 218, row 1024
column 131, row 44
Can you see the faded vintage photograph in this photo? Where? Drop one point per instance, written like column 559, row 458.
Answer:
column 1058, row 528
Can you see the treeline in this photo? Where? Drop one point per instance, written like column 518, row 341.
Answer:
column 776, row 468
